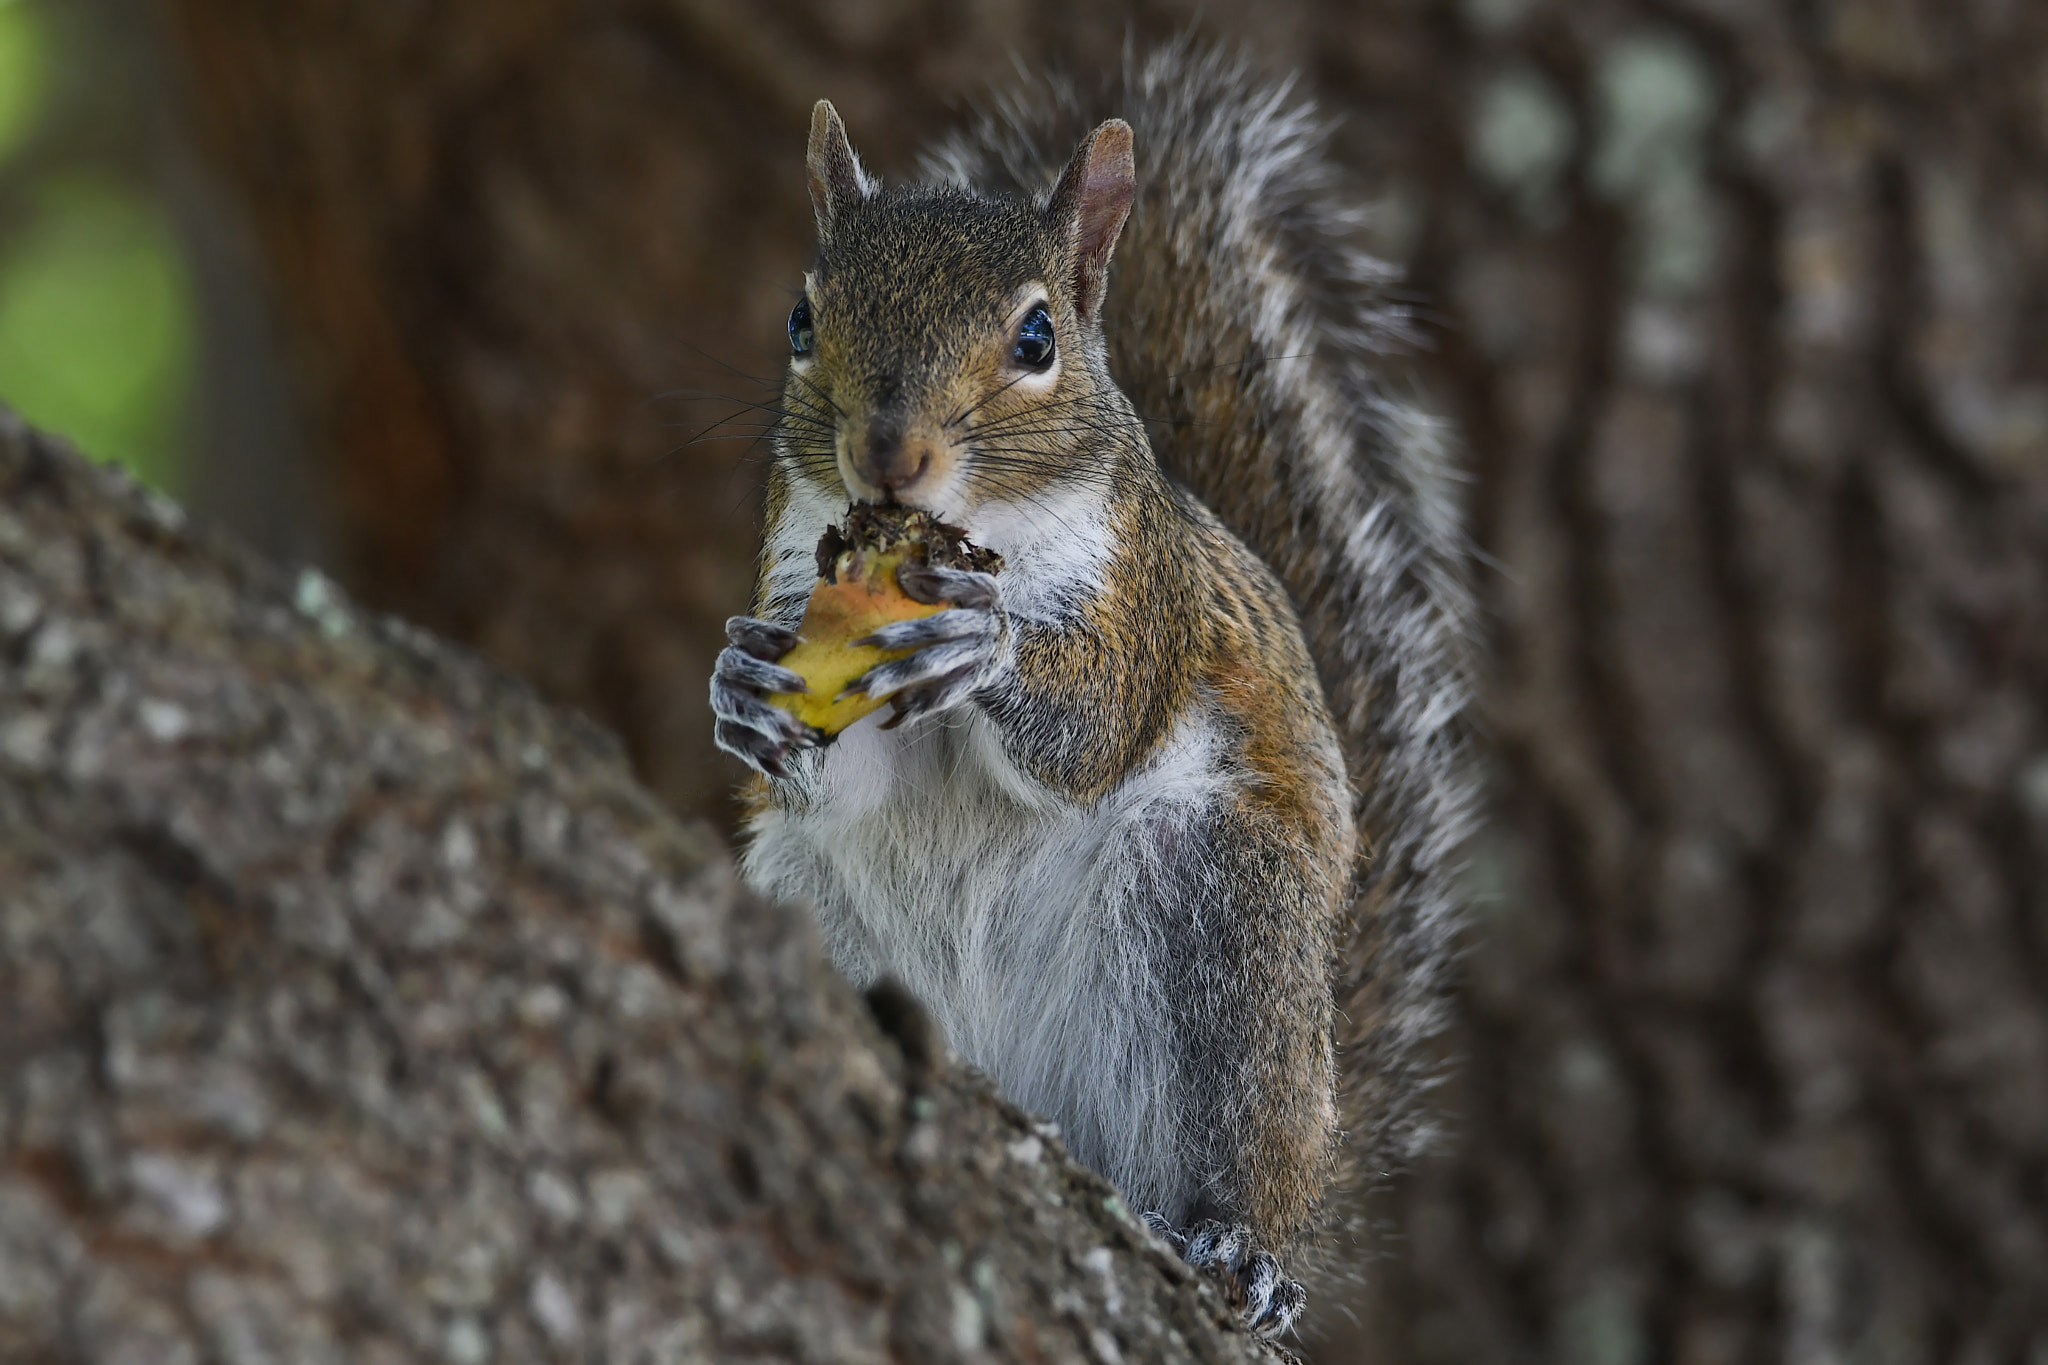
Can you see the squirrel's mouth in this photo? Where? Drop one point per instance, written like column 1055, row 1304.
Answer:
column 928, row 481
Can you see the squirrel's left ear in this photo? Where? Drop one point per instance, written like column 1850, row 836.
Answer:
column 837, row 177
column 1089, row 206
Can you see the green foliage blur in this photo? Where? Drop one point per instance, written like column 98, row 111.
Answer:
column 98, row 320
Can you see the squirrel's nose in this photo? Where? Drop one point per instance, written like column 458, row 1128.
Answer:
column 892, row 463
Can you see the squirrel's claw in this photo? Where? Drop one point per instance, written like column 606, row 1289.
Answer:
column 746, row 670
column 936, row 678
column 762, row 639
column 763, row 753
column 944, row 628
column 948, row 587
column 929, row 664
column 758, row 734
column 738, row 705
column 957, row 651
column 1267, row 1302
column 941, row 694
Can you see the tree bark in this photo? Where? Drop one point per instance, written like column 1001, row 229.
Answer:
column 1754, row 1053
column 357, row 1007
column 1741, row 309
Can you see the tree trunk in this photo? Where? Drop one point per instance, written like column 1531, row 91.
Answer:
column 1754, row 1055
column 1744, row 313
column 356, row 1007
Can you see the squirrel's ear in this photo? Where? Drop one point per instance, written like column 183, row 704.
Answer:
column 1089, row 206
column 836, row 175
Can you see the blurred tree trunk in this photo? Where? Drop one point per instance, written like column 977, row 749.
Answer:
column 1744, row 311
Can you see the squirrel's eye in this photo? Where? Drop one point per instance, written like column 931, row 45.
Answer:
column 1034, row 339
column 801, row 335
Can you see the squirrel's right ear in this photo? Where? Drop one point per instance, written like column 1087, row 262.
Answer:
column 1089, row 205
column 836, row 175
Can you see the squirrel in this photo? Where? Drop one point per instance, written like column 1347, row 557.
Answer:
column 1162, row 822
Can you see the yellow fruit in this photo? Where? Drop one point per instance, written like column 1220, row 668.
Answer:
column 857, row 594
column 838, row 614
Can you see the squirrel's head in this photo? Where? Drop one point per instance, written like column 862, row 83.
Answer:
column 948, row 349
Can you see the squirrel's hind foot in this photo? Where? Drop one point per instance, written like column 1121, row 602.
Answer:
column 1267, row 1302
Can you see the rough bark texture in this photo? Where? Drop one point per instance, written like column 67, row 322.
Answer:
column 356, row 1007
column 1745, row 312
column 1755, row 1060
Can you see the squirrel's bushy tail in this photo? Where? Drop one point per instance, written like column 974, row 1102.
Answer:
column 1244, row 320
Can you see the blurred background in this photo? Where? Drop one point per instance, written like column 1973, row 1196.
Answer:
column 99, row 326
column 1740, row 305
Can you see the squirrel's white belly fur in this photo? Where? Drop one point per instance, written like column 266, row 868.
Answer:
column 1014, row 913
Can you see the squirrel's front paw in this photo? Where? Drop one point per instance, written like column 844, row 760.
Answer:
column 1266, row 1301
column 958, row 650
column 758, row 734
